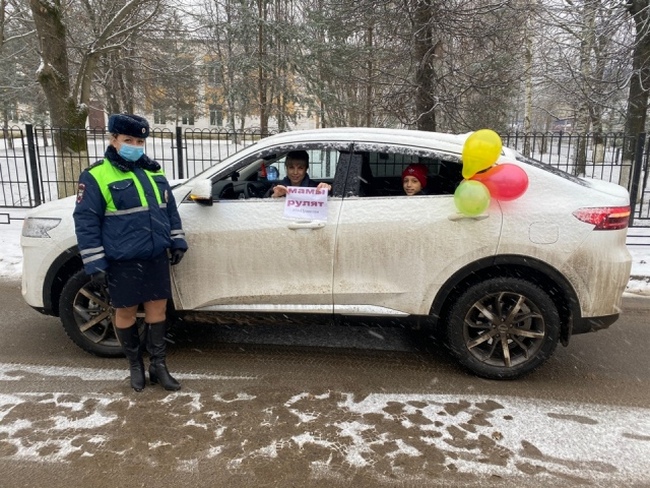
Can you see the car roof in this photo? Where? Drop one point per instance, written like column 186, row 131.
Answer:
column 442, row 142
column 438, row 140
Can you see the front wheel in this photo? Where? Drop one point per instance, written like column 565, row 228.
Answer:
column 87, row 316
column 503, row 328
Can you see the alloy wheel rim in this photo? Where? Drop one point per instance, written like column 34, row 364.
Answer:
column 504, row 329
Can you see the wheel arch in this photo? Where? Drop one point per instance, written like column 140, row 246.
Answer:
column 61, row 270
column 538, row 272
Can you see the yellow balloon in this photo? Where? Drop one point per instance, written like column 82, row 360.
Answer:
column 480, row 151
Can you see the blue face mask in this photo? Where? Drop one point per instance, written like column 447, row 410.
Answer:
column 131, row 153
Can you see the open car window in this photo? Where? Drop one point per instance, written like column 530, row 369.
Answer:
column 380, row 170
column 255, row 175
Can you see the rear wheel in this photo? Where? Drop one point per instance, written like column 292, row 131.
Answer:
column 503, row 328
column 87, row 316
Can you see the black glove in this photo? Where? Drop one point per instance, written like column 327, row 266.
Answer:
column 175, row 256
column 99, row 278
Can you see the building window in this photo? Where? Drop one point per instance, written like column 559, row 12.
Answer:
column 159, row 116
column 212, row 75
column 188, row 118
column 216, row 115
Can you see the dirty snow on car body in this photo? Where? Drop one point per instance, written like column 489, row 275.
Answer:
column 408, row 437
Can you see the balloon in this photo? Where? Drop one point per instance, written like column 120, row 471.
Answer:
column 480, row 151
column 505, row 181
column 471, row 197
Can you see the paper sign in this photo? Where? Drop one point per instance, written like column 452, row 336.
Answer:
column 305, row 203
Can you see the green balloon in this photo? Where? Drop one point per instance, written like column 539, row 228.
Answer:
column 471, row 197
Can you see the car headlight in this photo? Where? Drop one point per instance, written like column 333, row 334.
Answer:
column 39, row 226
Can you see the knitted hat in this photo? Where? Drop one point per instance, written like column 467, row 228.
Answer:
column 128, row 124
column 419, row 171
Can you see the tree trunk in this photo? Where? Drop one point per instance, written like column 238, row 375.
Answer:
column 369, row 68
column 65, row 115
column 423, row 52
column 528, row 90
column 637, row 102
column 582, row 116
column 261, row 77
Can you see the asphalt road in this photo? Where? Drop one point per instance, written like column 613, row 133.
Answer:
column 320, row 405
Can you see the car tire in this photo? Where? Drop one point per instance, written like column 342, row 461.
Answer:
column 87, row 316
column 503, row 328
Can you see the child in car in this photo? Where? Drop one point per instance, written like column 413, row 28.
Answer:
column 414, row 179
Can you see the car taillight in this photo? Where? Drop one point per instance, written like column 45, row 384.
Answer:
column 604, row 218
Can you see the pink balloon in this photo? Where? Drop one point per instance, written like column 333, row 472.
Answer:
column 505, row 181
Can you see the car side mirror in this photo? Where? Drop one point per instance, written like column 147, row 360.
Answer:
column 202, row 192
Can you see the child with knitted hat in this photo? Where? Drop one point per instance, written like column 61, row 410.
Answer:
column 414, row 179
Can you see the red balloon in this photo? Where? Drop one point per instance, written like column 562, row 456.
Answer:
column 505, row 181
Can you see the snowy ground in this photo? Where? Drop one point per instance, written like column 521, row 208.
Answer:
column 11, row 256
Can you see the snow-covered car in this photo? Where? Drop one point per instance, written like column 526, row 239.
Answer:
column 504, row 286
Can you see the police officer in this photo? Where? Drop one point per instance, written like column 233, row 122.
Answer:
column 129, row 230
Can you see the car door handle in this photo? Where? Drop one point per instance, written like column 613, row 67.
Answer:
column 314, row 224
column 459, row 216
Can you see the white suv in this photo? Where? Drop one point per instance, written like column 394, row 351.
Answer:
column 504, row 286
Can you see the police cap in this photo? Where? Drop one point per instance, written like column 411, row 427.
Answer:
column 128, row 124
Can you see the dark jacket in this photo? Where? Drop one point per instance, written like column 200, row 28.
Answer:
column 125, row 211
column 306, row 182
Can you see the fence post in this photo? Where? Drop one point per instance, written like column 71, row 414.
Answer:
column 636, row 174
column 179, row 152
column 33, row 167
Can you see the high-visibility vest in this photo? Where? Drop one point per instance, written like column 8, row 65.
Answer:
column 105, row 174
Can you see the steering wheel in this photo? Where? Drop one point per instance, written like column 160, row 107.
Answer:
column 269, row 192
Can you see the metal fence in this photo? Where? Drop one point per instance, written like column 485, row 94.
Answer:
column 29, row 173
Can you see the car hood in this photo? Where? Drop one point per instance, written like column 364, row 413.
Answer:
column 56, row 208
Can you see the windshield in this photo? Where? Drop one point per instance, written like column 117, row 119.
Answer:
column 214, row 169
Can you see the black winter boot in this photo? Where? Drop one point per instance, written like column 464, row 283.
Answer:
column 157, row 368
column 130, row 341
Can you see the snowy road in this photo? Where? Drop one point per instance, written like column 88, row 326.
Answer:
column 277, row 407
column 319, row 433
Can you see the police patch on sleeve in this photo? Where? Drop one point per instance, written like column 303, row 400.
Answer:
column 80, row 192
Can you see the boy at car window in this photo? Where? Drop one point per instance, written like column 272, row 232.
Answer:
column 414, row 179
column 296, row 164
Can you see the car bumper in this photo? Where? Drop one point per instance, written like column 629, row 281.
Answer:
column 42, row 261
column 599, row 270
column 592, row 324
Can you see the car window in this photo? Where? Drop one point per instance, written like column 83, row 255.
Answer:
column 255, row 176
column 381, row 171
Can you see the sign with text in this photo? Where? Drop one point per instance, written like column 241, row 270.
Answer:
column 305, row 203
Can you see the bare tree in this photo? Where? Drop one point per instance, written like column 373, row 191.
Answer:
column 67, row 86
column 425, row 45
column 637, row 104
column 17, row 54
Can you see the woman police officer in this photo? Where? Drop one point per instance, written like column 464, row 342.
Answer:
column 129, row 230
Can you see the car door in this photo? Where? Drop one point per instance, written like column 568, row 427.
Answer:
column 245, row 256
column 393, row 251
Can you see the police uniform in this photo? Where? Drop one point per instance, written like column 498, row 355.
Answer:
column 126, row 222
column 126, row 219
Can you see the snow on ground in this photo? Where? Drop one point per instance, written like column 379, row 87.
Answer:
column 11, row 255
